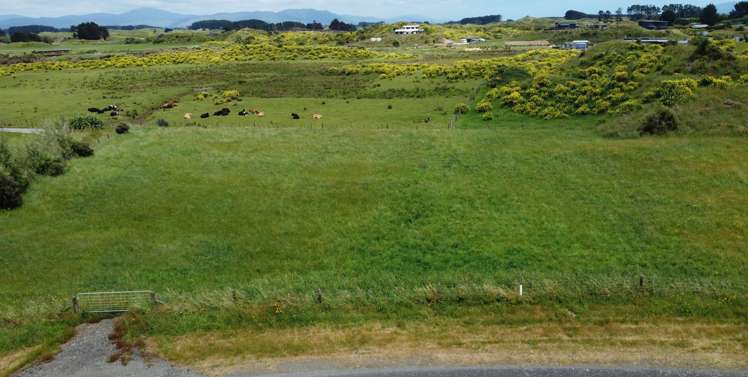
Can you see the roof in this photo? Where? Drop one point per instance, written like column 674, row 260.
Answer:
column 580, row 41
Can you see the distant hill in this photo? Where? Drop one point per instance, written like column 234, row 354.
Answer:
column 162, row 18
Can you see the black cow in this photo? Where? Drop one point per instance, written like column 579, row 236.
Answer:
column 223, row 112
column 205, row 116
column 114, row 114
column 295, row 116
column 94, row 110
column 243, row 113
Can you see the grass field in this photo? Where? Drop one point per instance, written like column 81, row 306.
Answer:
column 378, row 213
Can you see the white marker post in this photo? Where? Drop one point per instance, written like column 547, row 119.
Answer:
column 520, row 290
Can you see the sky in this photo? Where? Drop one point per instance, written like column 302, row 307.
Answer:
column 439, row 9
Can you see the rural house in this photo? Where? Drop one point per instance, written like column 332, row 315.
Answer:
column 409, row 29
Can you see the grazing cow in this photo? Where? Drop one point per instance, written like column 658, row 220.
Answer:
column 169, row 105
column 114, row 114
column 205, row 116
column 316, row 116
column 94, row 110
column 223, row 112
column 111, row 108
column 243, row 113
column 260, row 114
column 295, row 116
column 188, row 116
column 427, row 120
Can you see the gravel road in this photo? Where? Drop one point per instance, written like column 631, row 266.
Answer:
column 86, row 355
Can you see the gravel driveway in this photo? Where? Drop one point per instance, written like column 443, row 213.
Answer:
column 87, row 354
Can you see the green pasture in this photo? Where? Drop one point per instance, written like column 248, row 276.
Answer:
column 379, row 211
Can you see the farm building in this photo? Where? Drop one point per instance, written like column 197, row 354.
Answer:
column 409, row 29
column 654, row 24
column 699, row 26
column 577, row 45
column 654, row 41
column 560, row 26
column 472, row 40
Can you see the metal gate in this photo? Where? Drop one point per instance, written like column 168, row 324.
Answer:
column 113, row 302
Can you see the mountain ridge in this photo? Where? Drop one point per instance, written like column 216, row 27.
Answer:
column 162, row 18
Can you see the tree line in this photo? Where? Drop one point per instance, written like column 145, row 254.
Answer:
column 671, row 13
column 31, row 33
column 335, row 25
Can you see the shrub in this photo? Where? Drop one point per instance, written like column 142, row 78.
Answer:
column 162, row 123
column 81, row 149
column 487, row 116
column 462, row 108
column 11, row 191
column 44, row 158
column 484, row 106
column 395, row 43
column 86, row 122
column 672, row 92
column 231, row 95
column 660, row 122
column 50, row 167
column 122, row 129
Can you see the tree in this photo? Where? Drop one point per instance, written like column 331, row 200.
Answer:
column 608, row 16
column 212, row 25
column 315, row 26
column 600, row 16
column 337, row 25
column 619, row 15
column 24, row 36
column 668, row 15
column 709, row 15
column 574, row 15
column 90, row 31
column 741, row 9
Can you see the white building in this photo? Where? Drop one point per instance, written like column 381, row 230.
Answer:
column 409, row 29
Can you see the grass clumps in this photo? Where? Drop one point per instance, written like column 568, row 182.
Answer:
column 86, row 122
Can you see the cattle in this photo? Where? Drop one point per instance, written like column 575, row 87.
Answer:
column 94, row 110
column 316, row 116
column 223, row 112
column 205, row 116
column 169, row 105
column 260, row 114
column 243, row 113
column 188, row 116
column 114, row 114
column 427, row 120
column 111, row 108
column 295, row 116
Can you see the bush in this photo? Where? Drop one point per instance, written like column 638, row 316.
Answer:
column 81, row 149
column 484, row 106
column 395, row 43
column 50, row 167
column 86, row 122
column 672, row 92
column 660, row 122
column 487, row 116
column 462, row 108
column 11, row 192
column 122, row 129
column 162, row 123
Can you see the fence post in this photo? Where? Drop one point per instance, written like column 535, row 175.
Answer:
column 76, row 306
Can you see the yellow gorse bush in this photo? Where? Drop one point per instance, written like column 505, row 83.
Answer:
column 212, row 53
